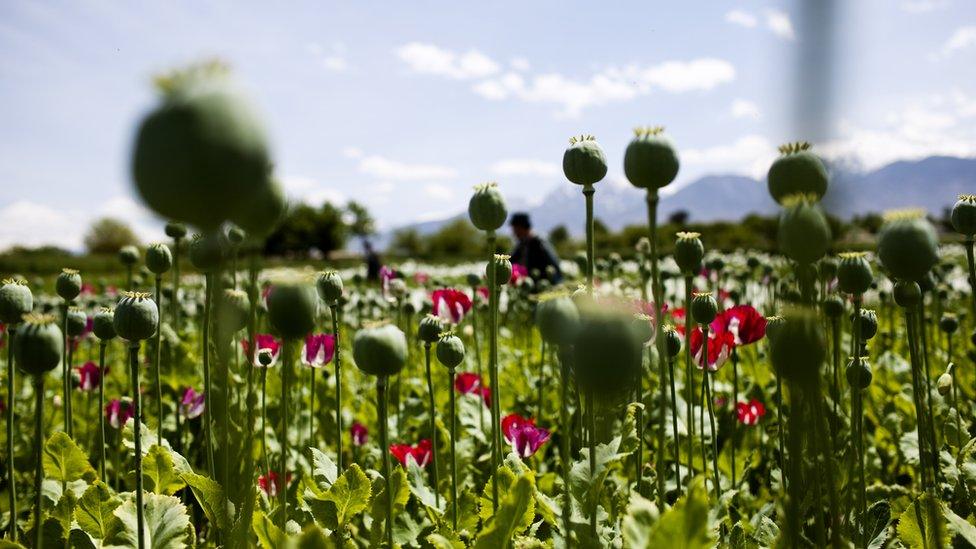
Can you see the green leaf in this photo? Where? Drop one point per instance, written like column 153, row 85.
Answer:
column 586, row 487
column 312, row 537
column 64, row 461
column 211, row 498
column 324, row 471
column 959, row 526
column 348, row 497
column 269, row 535
column 418, row 485
column 506, row 523
column 506, row 479
column 921, row 524
column 149, row 439
column 439, row 541
column 95, row 512
column 167, row 525
column 641, row 517
column 64, row 510
column 876, row 523
column 158, row 469
column 401, row 495
column 684, row 525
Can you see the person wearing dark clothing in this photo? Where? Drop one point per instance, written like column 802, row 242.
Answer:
column 372, row 263
column 532, row 252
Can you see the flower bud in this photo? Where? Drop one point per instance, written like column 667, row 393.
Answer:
column 797, row 171
column 804, row 235
column 650, row 161
column 907, row 294
column 175, row 230
column 963, row 216
column 486, row 209
column 128, row 255
column 607, row 353
column 869, row 324
column 557, row 318
column 944, row 383
column 798, row 349
column 859, row 374
column 907, row 245
column 450, row 351
column 584, row 162
column 672, row 341
column 265, row 357
column 380, row 350
column 68, row 284
column 503, row 269
column 136, row 317
column 949, row 323
column 103, row 324
column 854, row 274
column 688, row 253
column 329, row 284
column 158, row 258
column 704, row 308
column 76, row 322
column 833, row 306
column 207, row 252
column 773, row 326
column 292, row 308
column 38, row 346
column 16, row 300
column 430, row 329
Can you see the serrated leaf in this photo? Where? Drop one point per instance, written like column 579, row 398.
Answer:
column 312, row 537
column 506, row 523
column 684, row 525
column 348, row 497
column 401, row 495
column 958, row 525
column 64, row 461
column 876, row 523
column 150, row 439
column 269, row 535
column 167, row 525
column 922, row 525
column 438, row 541
column 418, row 485
column 159, row 470
column 95, row 511
column 586, row 487
column 211, row 498
column 640, row 518
column 64, row 510
column 506, row 479
column 324, row 470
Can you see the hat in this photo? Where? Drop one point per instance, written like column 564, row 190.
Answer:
column 520, row 219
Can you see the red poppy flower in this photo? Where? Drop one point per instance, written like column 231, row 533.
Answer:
column 486, row 396
column 749, row 413
column 720, row 345
column 271, row 483
column 523, row 434
column 467, row 383
column 118, row 412
column 450, row 304
column 519, row 272
column 90, row 376
column 421, row 452
column 744, row 322
column 359, row 434
column 265, row 341
column 319, row 350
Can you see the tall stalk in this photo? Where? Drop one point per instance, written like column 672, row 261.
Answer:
column 137, row 436
column 588, row 191
column 564, row 436
column 433, row 424
column 175, row 304
column 11, row 482
column 158, row 364
column 711, row 413
column 101, row 407
column 493, row 369
column 454, row 492
column 264, row 420
column 689, row 381
column 286, row 373
column 735, row 402
column 674, row 424
column 338, row 381
column 591, row 415
column 38, row 457
column 207, row 385
column 970, row 244
column 477, row 349
column 652, row 201
column 66, row 370
column 381, row 403
column 857, row 418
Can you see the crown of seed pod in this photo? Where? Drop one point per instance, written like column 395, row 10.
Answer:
column 128, row 255
column 76, row 321
column 263, row 211
column 557, row 318
column 854, row 274
column 584, row 162
column 797, row 171
column 380, row 350
column 68, row 284
column 503, row 269
column 798, row 348
column 773, row 325
column 949, row 323
column 486, row 209
column 16, row 300
column 963, row 216
column 233, row 309
column 430, row 328
column 907, row 245
column 329, row 284
column 292, row 308
column 672, row 341
column 704, row 308
column 650, row 161
column 450, row 350
column 136, row 317
column 207, row 251
column 203, row 152
column 607, row 354
column 175, row 230
column 38, row 346
column 869, row 324
column 833, row 306
column 158, row 258
column 643, row 327
column 804, row 235
column 103, row 324
column 235, row 235
column 859, row 373
column 907, row 294
column 689, row 252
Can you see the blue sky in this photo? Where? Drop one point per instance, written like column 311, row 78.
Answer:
column 405, row 106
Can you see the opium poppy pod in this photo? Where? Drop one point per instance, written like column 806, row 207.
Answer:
column 38, row 346
column 233, row 309
column 16, row 300
column 487, row 207
column 103, row 324
column 804, row 235
column 672, row 341
column 704, row 308
column 503, row 269
column 329, row 284
column 799, row 348
column 907, row 294
column 584, row 162
column 908, row 246
column 689, row 252
column 128, row 255
column 949, row 323
column 963, row 216
column 262, row 210
column 607, row 353
column 650, row 161
column 557, row 318
column 202, row 152
column 175, row 230
column 380, row 350
column 773, row 326
column 207, row 252
column 854, row 274
column 158, row 258
column 833, row 306
column 450, row 351
column 292, row 308
column 859, row 373
column 76, row 322
column 869, row 324
column 136, row 317
column 797, row 171
column 430, row 328
column 68, row 284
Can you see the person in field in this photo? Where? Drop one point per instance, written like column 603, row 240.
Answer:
column 532, row 252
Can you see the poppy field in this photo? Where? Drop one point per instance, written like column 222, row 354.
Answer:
column 678, row 397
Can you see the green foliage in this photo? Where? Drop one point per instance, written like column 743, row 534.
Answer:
column 64, row 461
column 95, row 512
column 210, row 496
column 306, row 227
column 684, row 525
column 333, row 506
column 108, row 235
column 509, row 520
column 922, row 524
column 166, row 520
column 159, row 471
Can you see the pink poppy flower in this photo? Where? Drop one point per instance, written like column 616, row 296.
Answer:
column 87, row 289
column 720, row 345
column 421, row 278
column 450, row 304
column 421, row 453
column 271, row 483
column 749, row 413
column 744, row 322
column 467, row 383
column 359, row 433
column 386, row 275
column 319, row 350
column 483, row 293
column 90, row 376
column 265, row 341
column 119, row 411
column 486, row 396
column 519, row 272
column 192, row 403
column 523, row 434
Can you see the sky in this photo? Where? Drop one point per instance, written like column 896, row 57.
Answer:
column 405, row 106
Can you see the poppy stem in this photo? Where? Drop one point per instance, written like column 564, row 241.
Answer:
column 652, row 201
column 11, row 482
column 385, row 452
column 137, row 439
column 159, row 385
column 591, row 415
column 38, row 465
column 433, row 425
column 286, row 372
column 690, row 381
column 588, row 192
column 564, row 436
column 101, row 408
column 207, row 386
column 175, row 305
column 264, row 419
column 454, row 492
column 477, row 349
column 674, row 425
column 338, row 383
column 493, row 369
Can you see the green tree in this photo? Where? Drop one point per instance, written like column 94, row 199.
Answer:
column 108, row 234
column 408, row 243
column 306, row 227
column 361, row 223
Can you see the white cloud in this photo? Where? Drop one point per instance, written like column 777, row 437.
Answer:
column 385, row 168
column 743, row 108
column 741, row 18
column 308, row 190
column 525, row 167
column 352, row 152
column 923, row 6
column 438, row 191
column 779, row 22
column 520, row 64
column 332, row 59
column 430, row 59
column 750, row 154
column 962, row 39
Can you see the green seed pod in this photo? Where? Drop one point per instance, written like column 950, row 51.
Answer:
column 380, row 350
column 859, row 374
column 607, row 353
column 16, row 300
column 68, row 284
column 907, row 294
column 584, row 162
column 854, row 274
column 292, row 308
column 158, row 258
column 833, row 306
column 944, row 383
column 650, row 161
column 136, row 317
column 949, row 323
column 128, row 255
column 907, row 245
column 643, row 327
column 450, row 351
column 797, row 171
column 38, row 346
column 799, row 348
column 207, row 252
column 963, row 215
column 265, row 357
column 804, row 235
column 235, row 235
column 397, row 288
column 76, row 322
column 233, row 310
column 828, row 268
column 869, row 324
column 202, row 152
column 773, row 326
column 103, row 324
column 487, row 208
column 503, row 269
column 689, row 252
column 473, row 279
column 704, row 308
column 672, row 341
column 430, row 328
column 175, row 230
column 557, row 318
column 262, row 212
column 329, row 284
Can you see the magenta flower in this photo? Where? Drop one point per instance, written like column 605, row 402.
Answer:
column 450, row 304
column 265, row 341
column 119, row 411
column 421, row 452
column 359, row 433
column 90, row 376
column 386, row 275
column 192, row 403
column 519, row 272
column 523, row 434
column 319, row 350
column 271, row 483
column 467, row 383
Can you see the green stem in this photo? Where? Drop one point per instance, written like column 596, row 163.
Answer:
column 588, row 191
column 652, row 201
column 38, row 465
column 564, row 436
column 493, row 369
column 477, row 350
column 159, row 365
column 433, row 425
column 689, row 381
column 857, row 408
column 207, row 385
column 338, row 381
column 735, row 402
column 311, row 407
column 264, row 420
column 924, row 455
column 175, row 305
column 11, row 481
column 454, row 492
column 385, row 452
column 969, row 244
column 711, row 419
column 286, row 373
column 137, row 439
column 101, row 408
column 591, row 415
column 674, row 425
